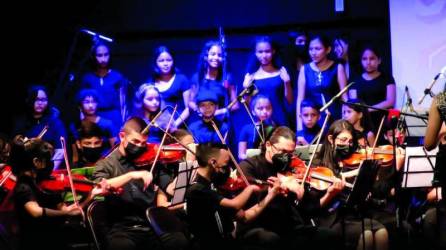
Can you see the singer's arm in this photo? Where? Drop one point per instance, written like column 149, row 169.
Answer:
column 390, row 99
column 186, row 112
column 300, row 96
column 342, row 80
column 287, row 85
column 433, row 127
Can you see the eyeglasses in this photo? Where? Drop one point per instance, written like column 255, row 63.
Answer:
column 282, row 151
column 345, row 140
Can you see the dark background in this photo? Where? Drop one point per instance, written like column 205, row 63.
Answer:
column 38, row 35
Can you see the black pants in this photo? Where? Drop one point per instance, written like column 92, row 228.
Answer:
column 143, row 238
column 314, row 237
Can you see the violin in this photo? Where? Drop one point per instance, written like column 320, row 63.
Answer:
column 320, row 178
column 169, row 154
column 236, row 183
column 7, row 178
column 59, row 182
column 383, row 153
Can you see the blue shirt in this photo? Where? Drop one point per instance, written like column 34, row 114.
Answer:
column 203, row 132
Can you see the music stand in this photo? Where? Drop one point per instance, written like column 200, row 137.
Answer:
column 416, row 129
column 418, row 167
column 304, row 152
column 186, row 175
column 363, row 183
column 356, row 200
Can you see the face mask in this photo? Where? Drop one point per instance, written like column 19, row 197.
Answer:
column 281, row 161
column 92, row 155
column 220, row 177
column 342, row 151
column 132, row 151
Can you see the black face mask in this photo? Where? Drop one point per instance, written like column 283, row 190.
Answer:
column 133, row 151
column 220, row 177
column 91, row 155
column 281, row 161
column 342, row 151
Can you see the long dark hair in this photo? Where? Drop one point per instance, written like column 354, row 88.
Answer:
column 156, row 53
column 254, row 64
column 31, row 97
column 203, row 64
column 326, row 154
column 93, row 61
column 24, row 150
column 366, row 121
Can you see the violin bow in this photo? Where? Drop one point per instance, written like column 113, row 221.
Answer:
column 145, row 131
column 162, row 141
column 43, row 132
column 378, row 134
column 262, row 138
column 239, row 169
column 176, row 139
column 182, row 121
column 70, row 177
column 319, row 136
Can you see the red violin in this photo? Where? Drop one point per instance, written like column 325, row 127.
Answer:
column 169, row 154
column 59, row 182
column 7, row 178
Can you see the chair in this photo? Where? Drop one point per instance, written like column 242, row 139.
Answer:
column 163, row 220
column 97, row 221
column 169, row 229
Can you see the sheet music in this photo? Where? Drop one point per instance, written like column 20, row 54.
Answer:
column 186, row 176
column 418, row 171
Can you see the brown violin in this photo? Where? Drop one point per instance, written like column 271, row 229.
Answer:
column 383, row 153
column 320, row 178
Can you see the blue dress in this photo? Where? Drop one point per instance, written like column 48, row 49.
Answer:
column 273, row 88
column 324, row 83
column 108, row 88
column 174, row 94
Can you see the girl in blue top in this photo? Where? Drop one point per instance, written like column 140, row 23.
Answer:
column 271, row 79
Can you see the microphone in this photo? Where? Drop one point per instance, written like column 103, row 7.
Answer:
column 409, row 99
column 336, row 97
column 94, row 34
column 428, row 91
column 251, row 90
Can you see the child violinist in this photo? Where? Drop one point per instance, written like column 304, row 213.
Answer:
column 262, row 110
column 340, row 142
column 41, row 214
column 147, row 105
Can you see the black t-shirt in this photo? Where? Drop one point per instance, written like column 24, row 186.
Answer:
column 130, row 206
column 41, row 231
column 281, row 215
column 203, row 203
column 372, row 91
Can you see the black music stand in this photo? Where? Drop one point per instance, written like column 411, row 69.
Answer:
column 356, row 200
column 419, row 168
column 186, row 175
